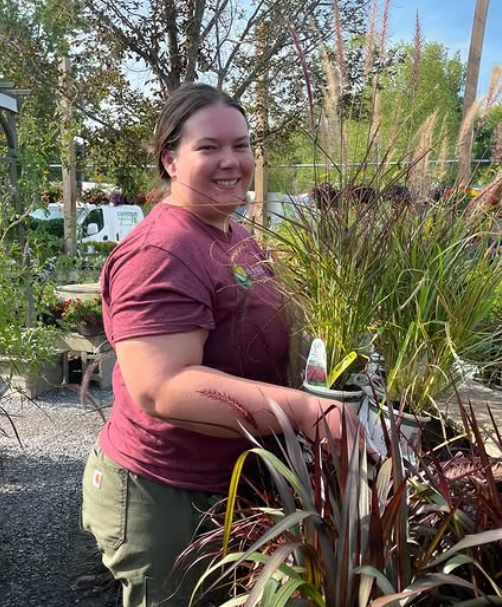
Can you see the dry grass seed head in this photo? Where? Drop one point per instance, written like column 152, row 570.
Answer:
column 370, row 38
column 443, row 153
column 385, row 27
column 494, row 87
column 468, row 121
column 333, row 92
column 340, row 46
column 417, row 55
column 497, row 150
column 424, row 136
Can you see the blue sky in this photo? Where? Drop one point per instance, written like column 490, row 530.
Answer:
column 450, row 22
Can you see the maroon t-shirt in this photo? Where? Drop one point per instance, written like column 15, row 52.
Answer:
column 173, row 274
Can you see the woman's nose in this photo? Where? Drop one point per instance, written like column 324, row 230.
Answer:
column 228, row 158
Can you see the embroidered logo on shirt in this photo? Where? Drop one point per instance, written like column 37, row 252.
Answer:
column 242, row 277
column 97, row 478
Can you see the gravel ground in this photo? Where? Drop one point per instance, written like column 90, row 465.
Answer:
column 47, row 561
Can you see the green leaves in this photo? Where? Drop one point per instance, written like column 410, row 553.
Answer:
column 344, row 540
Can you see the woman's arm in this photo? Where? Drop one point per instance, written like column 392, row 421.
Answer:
column 165, row 377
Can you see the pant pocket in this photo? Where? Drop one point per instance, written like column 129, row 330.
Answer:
column 104, row 504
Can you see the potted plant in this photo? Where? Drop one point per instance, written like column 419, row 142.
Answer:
column 95, row 196
column 442, row 285
column 322, row 532
column 329, row 257
column 374, row 261
column 50, row 306
column 29, row 360
column 83, row 316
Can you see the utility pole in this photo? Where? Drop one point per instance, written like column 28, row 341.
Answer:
column 259, row 213
column 68, row 161
column 471, row 86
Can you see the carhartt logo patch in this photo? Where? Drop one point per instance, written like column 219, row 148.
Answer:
column 97, row 478
column 241, row 276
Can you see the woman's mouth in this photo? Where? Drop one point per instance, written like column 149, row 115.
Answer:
column 226, row 183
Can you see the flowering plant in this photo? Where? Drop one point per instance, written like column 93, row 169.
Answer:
column 76, row 313
column 96, row 196
column 52, row 193
column 155, row 195
column 118, row 198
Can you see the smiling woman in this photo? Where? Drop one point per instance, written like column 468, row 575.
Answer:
column 191, row 307
column 211, row 170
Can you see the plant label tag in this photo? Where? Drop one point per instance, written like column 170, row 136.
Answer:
column 97, row 478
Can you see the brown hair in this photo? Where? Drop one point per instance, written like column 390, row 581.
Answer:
column 181, row 105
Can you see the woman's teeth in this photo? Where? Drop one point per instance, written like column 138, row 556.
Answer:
column 226, row 182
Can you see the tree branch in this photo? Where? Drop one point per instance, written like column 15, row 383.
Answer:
column 252, row 20
column 214, row 20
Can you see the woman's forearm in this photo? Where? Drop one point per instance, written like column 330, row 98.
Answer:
column 217, row 404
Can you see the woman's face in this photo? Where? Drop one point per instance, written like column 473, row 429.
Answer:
column 212, row 168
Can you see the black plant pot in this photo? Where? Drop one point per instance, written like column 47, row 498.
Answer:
column 89, row 330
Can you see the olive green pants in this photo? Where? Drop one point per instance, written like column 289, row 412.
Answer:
column 141, row 528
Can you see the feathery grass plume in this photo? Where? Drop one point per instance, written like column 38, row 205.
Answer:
column 385, row 27
column 426, row 146
column 370, row 38
column 393, row 135
column 417, row 55
column 340, row 46
column 468, row 121
column 232, row 403
column 306, row 73
column 418, row 173
column 331, row 130
column 333, row 104
column 330, row 109
column 331, row 95
column 324, row 129
column 497, row 150
column 443, row 153
column 333, row 92
column 495, row 86
column 497, row 93
column 375, row 122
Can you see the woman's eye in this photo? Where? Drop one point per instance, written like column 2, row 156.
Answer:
column 208, row 147
column 242, row 146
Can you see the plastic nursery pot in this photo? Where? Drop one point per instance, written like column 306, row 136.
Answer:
column 351, row 399
column 410, row 428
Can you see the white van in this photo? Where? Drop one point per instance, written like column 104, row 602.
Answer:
column 97, row 223
column 279, row 206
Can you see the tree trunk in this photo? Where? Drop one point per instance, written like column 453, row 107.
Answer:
column 196, row 15
column 69, row 163
column 471, row 86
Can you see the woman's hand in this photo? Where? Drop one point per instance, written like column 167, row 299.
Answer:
column 321, row 412
column 333, row 413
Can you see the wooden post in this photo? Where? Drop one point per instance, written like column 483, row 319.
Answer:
column 68, row 162
column 471, row 87
column 260, row 176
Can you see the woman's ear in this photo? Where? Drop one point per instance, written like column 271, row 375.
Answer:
column 169, row 163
